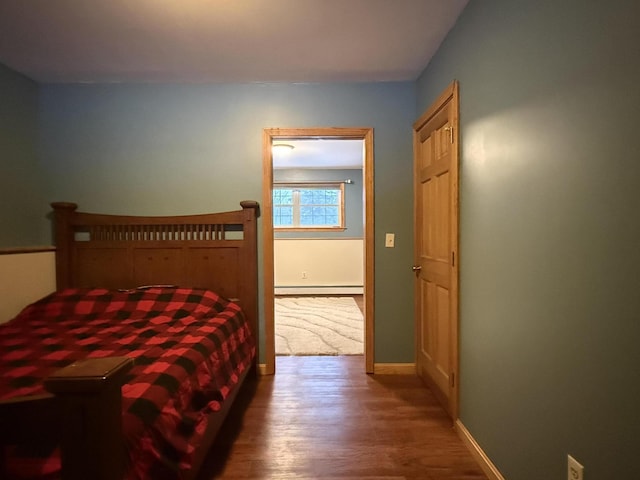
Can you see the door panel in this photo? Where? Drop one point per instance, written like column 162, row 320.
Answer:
column 427, row 336
column 442, row 332
column 436, row 244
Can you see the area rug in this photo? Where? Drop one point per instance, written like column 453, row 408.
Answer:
column 318, row 326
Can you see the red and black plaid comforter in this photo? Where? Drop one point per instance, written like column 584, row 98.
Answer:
column 190, row 346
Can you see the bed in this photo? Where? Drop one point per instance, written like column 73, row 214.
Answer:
column 129, row 369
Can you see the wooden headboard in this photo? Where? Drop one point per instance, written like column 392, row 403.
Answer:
column 217, row 251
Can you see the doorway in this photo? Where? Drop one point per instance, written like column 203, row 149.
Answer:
column 278, row 135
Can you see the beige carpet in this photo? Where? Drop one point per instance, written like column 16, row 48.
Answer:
column 318, row 326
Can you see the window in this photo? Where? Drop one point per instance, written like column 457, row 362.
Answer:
column 308, row 206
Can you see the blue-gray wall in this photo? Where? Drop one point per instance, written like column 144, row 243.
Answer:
column 550, row 231
column 171, row 149
column 353, row 199
column 549, row 202
column 22, row 203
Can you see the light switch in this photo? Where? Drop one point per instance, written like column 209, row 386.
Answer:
column 390, row 240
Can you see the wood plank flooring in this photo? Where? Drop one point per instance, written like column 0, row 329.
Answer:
column 323, row 418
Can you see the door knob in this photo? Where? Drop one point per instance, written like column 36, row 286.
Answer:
column 416, row 268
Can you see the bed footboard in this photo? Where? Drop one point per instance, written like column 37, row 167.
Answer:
column 24, row 418
column 91, row 437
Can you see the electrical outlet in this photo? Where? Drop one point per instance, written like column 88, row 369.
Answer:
column 575, row 471
column 304, row 275
column 389, row 240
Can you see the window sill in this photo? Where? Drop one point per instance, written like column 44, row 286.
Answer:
column 310, row 229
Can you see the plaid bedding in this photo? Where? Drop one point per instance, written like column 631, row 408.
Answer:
column 189, row 345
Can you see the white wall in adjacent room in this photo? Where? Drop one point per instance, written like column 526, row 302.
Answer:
column 309, row 265
column 25, row 278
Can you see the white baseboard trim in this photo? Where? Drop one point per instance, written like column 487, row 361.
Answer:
column 318, row 290
column 483, row 460
column 394, row 368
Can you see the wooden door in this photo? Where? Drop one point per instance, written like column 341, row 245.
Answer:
column 436, row 247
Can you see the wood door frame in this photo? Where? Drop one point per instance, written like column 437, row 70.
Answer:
column 336, row 133
column 450, row 94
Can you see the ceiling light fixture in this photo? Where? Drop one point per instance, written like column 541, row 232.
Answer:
column 281, row 147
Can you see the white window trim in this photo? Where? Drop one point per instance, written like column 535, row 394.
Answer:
column 296, row 207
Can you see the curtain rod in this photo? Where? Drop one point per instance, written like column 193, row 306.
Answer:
column 348, row 181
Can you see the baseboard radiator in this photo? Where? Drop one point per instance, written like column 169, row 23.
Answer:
column 319, row 266
column 320, row 290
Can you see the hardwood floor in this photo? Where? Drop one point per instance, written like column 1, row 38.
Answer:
column 321, row 417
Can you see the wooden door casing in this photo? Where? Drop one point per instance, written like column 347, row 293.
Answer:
column 269, row 135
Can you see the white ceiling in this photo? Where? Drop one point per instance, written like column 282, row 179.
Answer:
column 320, row 153
column 218, row 41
